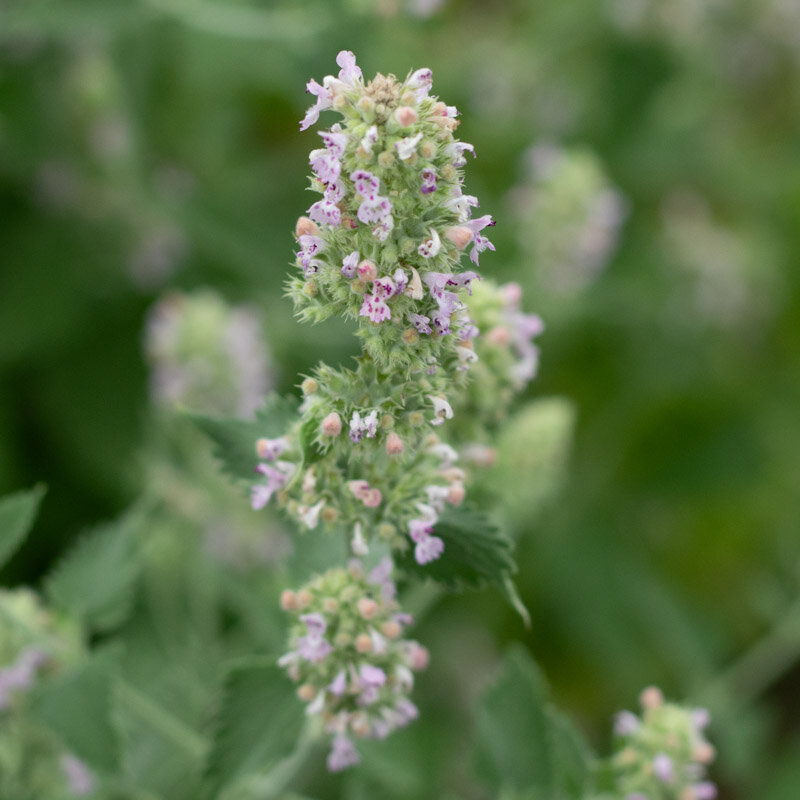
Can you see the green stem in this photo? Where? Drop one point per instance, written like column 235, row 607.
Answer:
column 164, row 723
column 761, row 665
column 274, row 783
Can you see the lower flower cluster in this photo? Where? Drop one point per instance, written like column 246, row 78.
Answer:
column 349, row 657
column 664, row 752
column 34, row 644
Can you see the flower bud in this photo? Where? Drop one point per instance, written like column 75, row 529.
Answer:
column 418, row 657
column 459, row 235
column 405, row 116
column 498, row 336
column 289, row 600
column 704, row 753
column 306, row 692
column 391, row 629
column 329, row 514
column 367, row 271
column 330, row 605
column 304, row 597
column 332, row 425
column 306, row 227
column 454, row 474
column 367, row 607
column 455, row 494
column 410, row 336
column 372, row 499
column 364, row 643
column 348, row 594
column 359, row 724
column 511, row 294
column 310, row 289
column 366, row 105
column 651, row 697
column 386, row 531
column 309, row 386
column 394, row 444
column 427, row 149
column 386, row 159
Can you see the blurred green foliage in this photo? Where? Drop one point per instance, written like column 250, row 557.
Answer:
column 152, row 145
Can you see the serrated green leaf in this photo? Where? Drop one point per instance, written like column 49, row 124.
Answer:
column 17, row 514
column 77, row 708
column 235, row 439
column 308, row 440
column 572, row 757
column 159, row 751
column 476, row 552
column 258, row 725
column 96, row 580
column 525, row 746
column 513, row 729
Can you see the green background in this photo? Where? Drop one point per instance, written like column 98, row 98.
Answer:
column 147, row 146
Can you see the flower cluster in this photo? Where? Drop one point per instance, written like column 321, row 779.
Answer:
column 206, row 354
column 32, row 644
column 354, row 669
column 367, row 454
column 20, row 676
column 393, row 217
column 382, row 246
column 663, row 754
column 31, row 640
column 502, row 361
column 570, row 216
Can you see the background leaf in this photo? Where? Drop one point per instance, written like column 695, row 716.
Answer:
column 524, row 744
column 77, row 707
column 17, row 514
column 235, row 439
column 96, row 580
column 159, row 752
column 476, row 552
column 258, row 724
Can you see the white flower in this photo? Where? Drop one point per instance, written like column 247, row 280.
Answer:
column 441, row 409
column 358, row 543
column 430, row 247
column 310, row 516
column 437, row 496
column 446, row 453
column 414, row 289
column 317, row 704
column 369, row 139
column 407, row 147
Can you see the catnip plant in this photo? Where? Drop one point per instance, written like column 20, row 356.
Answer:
column 368, row 454
column 388, row 459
